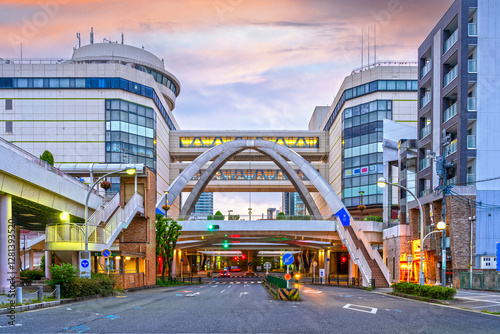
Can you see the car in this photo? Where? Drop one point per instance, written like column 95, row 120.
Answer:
column 235, row 268
column 225, row 273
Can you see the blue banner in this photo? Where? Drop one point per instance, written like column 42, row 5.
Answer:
column 343, row 216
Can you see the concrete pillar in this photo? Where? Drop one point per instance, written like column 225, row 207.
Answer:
column 175, row 265
column 48, row 263
column 327, row 265
column 32, row 258
column 352, row 269
column 5, row 231
column 74, row 259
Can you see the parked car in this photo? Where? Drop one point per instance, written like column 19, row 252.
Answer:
column 225, row 273
column 235, row 268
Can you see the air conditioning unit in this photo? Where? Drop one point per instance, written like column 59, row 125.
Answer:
column 488, row 262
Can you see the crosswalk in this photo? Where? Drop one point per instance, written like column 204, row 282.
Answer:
column 252, row 282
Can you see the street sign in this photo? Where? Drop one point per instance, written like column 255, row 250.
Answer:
column 287, row 259
column 267, row 265
column 85, row 265
column 315, row 263
column 322, row 273
column 106, row 253
column 288, row 276
column 249, row 264
column 343, row 216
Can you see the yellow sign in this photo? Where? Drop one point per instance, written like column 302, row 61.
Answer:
column 415, row 249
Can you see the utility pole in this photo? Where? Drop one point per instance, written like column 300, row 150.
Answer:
column 442, row 168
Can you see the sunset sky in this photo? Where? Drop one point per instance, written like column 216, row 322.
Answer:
column 242, row 64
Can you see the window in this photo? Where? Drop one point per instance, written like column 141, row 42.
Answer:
column 8, row 104
column 8, row 127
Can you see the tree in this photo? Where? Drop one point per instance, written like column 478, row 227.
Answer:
column 47, row 157
column 281, row 216
column 218, row 216
column 167, row 233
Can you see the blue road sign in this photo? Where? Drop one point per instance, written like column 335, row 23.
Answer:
column 106, row 253
column 85, row 263
column 343, row 216
column 287, row 259
column 249, row 264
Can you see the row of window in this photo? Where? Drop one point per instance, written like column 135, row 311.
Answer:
column 363, row 171
column 366, row 159
column 163, row 80
column 363, row 149
column 363, row 140
column 214, row 141
column 130, row 128
column 372, row 189
column 378, row 85
column 88, row 83
column 366, row 118
column 365, row 108
column 125, row 106
column 249, row 174
column 126, row 158
column 359, row 130
column 367, row 200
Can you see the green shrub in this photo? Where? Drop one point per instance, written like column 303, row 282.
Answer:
column 34, row 274
column 281, row 216
column 218, row 216
column 434, row 292
column 72, row 285
column 47, row 157
column 374, row 219
column 209, row 217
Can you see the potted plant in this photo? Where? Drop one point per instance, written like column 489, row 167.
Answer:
column 105, row 185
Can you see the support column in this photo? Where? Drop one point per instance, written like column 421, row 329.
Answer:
column 5, row 231
column 48, row 264
column 352, row 270
column 18, row 251
column 32, row 258
column 327, row 265
column 175, row 265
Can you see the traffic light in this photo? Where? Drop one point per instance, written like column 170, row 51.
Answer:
column 343, row 259
column 226, row 245
column 235, row 258
column 243, row 256
column 212, row 227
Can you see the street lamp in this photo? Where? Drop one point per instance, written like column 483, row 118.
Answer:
column 229, row 214
column 165, row 206
column 130, row 169
column 381, row 183
column 361, row 206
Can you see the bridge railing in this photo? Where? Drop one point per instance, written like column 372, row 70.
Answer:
column 232, row 217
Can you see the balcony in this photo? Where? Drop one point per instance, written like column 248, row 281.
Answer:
column 424, row 163
column 452, row 74
column 450, row 112
column 472, row 66
column 425, row 131
column 425, row 192
column 471, row 104
column 451, row 148
column 471, row 179
column 426, row 69
column 425, row 99
column 451, row 41
column 473, row 29
column 471, row 142
column 453, row 181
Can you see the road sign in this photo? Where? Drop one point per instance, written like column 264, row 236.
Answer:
column 322, row 273
column 343, row 216
column 267, row 265
column 249, row 264
column 85, row 265
column 106, row 253
column 315, row 263
column 288, row 276
column 287, row 259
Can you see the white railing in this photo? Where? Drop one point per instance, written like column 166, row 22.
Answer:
column 450, row 112
column 355, row 253
column 63, row 232
column 425, row 192
column 471, row 142
column 103, row 213
column 451, row 148
column 426, row 130
column 374, row 254
column 426, row 69
column 451, row 41
column 472, row 29
column 425, row 99
column 384, row 63
column 424, row 163
column 450, row 76
column 453, row 181
column 472, row 65
column 471, row 179
column 34, row 61
column 471, row 104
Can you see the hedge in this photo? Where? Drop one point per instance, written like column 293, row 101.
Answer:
column 434, row 292
column 33, row 275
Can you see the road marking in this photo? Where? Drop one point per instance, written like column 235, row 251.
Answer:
column 360, row 308
column 111, row 317
column 348, row 296
column 68, row 309
column 398, row 310
column 313, row 291
column 185, row 291
column 121, row 296
column 246, row 285
column 79, row 329
column 192, row 294
column 252, row 282
column 223, row 291
column 259, row 282
column 484, row 306
column 9, row 326
column 238, row 282
column 243, row 293
column 387, row 309
column 178, row 295
column 139, row 307
column 245, row 282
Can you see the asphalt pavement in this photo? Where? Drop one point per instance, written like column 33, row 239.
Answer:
column 243, row 305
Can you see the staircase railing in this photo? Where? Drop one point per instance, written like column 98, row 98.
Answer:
column 374, row 254
column 355, row 253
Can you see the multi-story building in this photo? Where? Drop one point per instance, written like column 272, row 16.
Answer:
column 458, row 119
column 293, row 205
column 109, row 103
column 355, row 124
column 205, row 206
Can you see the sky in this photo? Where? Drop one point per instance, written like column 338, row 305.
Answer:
column 242, row 64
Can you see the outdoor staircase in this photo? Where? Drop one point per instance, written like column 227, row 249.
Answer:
column 380, row 280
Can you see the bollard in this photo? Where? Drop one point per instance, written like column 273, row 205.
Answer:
column 40, row 293
column 19, row 295
column 199, row 279
column 57, row 292
column 372, row 281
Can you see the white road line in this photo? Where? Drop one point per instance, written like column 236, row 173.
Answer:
column 238, row 282
column 246, row 285
column 243, row 293
column 223, row 291
column 482, row 300
column 252, row 282
column 485, row 306
column 353, row 307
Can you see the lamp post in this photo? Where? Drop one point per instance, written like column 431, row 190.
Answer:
column 130, row 169
column 229, row 214
column 381, row 183
column 361, row 206
column 166, row 207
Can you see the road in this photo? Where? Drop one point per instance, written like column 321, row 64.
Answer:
column 239, row 305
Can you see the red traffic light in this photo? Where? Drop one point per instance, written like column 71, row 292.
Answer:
column 343, row 259
column 243, row 257
column 235, row 258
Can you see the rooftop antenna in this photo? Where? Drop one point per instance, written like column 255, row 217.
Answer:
column 375, row 41
column 91, row 35
column 122, row 37
column 368, row 51
column 362, row 33
column 79, row 39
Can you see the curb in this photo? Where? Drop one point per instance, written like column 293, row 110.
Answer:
column 29, row 307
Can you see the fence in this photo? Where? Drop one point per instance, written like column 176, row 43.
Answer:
column 277, row 281
column 486, row 280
